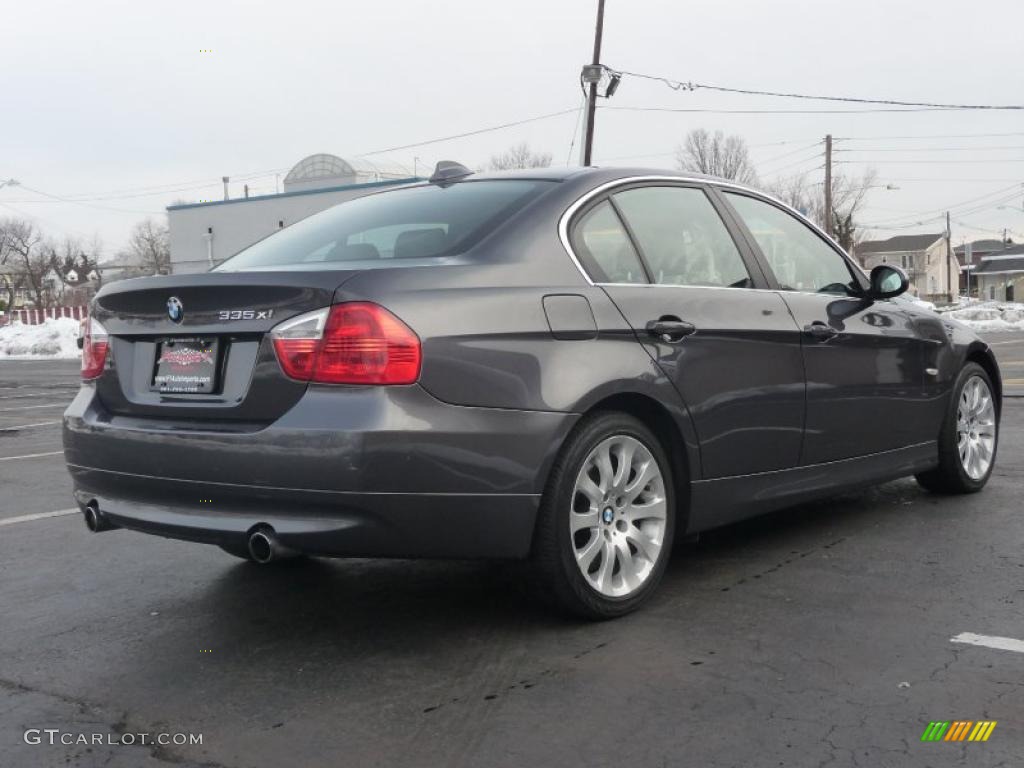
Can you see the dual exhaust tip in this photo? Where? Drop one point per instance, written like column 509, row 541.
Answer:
column 263, row 544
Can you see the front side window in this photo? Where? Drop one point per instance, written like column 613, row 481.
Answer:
column 419, row 222
column 800, row 259
column 682, row 237
column 605, row 249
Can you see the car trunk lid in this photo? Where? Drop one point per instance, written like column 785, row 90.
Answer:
column 195, row 347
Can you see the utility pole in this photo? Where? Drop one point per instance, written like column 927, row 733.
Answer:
column 828, row 185
column 949, row 263
column 968, row 258
column 592, row 79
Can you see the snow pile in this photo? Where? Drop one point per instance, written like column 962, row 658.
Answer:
column 55, row 338
column 922, row 303
column 991, row 316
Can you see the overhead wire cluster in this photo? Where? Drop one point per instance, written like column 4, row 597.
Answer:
column 849, row 148
column 686, row 85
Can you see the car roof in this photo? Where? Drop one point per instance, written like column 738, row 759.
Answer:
column 598, row 174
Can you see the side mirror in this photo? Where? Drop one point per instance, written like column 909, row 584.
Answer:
column 887, row 281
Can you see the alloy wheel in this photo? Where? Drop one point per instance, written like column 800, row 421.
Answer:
column 976, row 427
column 618, row 515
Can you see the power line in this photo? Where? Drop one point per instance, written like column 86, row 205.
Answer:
column 472, row 133
column 800, row 161
column 873, row 161
column 161, row 189
column 903, row 222
column 186, row 186
column 956, row 206
column 931, row 149
column 754, row 111
column 673, row 153
column 576, row 128
column 930, row 136
column 680, row 85
column 87, row 205
column 804, row 148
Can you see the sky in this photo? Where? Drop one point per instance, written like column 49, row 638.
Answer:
column 112, row 110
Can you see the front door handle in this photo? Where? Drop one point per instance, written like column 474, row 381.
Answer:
column 820, row 331
column 670, row 329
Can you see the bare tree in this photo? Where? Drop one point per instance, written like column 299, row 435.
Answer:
column 149, row 248
column 716, row 155
column 11, row 279
column 520, row 156
column 848, row 195
column 26, row 259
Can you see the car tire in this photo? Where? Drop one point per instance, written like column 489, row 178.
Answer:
column 969, row 436
column 601, row 547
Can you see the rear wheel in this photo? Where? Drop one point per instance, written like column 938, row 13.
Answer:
column 606, row 522
column 969, row 436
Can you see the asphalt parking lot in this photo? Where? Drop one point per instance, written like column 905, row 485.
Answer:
column 820, row 635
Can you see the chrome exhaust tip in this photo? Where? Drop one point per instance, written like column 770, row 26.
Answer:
column 264, row 547
column 95, row 520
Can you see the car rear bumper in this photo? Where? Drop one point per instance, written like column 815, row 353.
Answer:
column 375, row 471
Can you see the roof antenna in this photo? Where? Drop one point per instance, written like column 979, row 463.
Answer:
column 448, row 171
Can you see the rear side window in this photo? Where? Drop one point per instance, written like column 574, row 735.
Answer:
column 800, row 259
column 414, row 223
column 604, row 247
column 682, row 237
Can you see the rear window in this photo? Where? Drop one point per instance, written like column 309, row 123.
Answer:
column 414, row 223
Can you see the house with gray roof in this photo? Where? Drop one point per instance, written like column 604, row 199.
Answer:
column 1000, row 275
column 927, row 260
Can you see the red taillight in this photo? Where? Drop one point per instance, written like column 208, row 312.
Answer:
column 95, row 343
column 352, row 343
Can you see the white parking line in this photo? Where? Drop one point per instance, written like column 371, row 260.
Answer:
column 34, row 394
column 31, row 456
column 988, row 641
column 39, row 516
column 27, row 426
column 31, row 407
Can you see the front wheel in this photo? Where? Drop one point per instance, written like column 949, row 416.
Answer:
column 607, row 518
column 968, row 438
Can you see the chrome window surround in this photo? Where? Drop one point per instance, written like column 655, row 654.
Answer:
column 566, row 218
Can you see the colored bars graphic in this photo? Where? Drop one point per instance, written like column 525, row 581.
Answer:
column 958, row 730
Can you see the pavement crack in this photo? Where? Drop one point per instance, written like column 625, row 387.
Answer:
column 795, row 556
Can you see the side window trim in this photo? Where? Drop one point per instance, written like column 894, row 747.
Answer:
column 751, row 255
column 855, row 272
column 759, row 276
column 574, row 227
column 628, row 229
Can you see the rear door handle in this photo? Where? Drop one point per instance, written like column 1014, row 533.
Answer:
column 820, row 331
column 670, row 329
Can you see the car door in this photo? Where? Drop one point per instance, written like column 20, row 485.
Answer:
column 666, row 258
column 863, row 359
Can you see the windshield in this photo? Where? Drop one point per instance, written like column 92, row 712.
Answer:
column 412, row 223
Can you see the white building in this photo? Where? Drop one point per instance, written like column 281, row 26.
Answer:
column 205, row 234
column 1000, row 275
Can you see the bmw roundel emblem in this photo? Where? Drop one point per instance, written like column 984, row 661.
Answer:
column 175, row 310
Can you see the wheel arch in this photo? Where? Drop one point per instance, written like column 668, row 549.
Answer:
column 981, row 354
column 665, row 425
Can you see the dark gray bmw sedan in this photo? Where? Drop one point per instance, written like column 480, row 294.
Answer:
column 569, row 366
